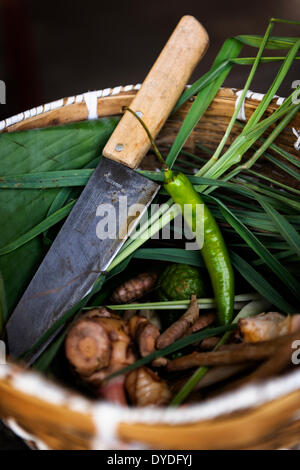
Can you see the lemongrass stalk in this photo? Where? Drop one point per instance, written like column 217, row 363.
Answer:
column 284, row 154
column 267, row 142
column 242, row 143
column 224, row 139
column 171, row 213
column 250, row 60
column 280, row 20
column 258, row 113
column 272, row 181
column 290, row 202
column 259, row 110
column 204, row 306
column 181, row 304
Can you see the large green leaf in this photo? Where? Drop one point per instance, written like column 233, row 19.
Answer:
column 58, row 148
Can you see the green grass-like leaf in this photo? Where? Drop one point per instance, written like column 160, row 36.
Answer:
column 260, row 284
column 286, row 229
column 60, row 148
column 266, row 256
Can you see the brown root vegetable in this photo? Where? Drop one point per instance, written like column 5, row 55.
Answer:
column 134, row 288
column 208, row 344
column 267, row 326
column 215, row 375
column 160, row 362
column 152, row 316
column 88, row 347
column 203, row 321
column 144, row 333
column 274, row 365
column 129, row 314
column 98, row 345
column 146, row 388
column 181, row 326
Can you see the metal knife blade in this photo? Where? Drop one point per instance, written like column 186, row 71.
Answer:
column 78, row 256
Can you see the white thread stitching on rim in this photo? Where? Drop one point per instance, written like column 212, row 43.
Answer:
column 254, row 96
column 297, row 134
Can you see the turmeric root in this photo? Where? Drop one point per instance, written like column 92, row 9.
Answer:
column 134, row 288
column 146, row 388
column 267, row 326
column 181, row 326
column 97, row 346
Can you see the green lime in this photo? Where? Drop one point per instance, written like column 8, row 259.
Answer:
column 179, row 282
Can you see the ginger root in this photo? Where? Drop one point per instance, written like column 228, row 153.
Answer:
column 145, row 388
column 267, row 326
column 98, row 345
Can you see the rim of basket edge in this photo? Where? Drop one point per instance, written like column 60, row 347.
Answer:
column 90, row 98
column 37, row 385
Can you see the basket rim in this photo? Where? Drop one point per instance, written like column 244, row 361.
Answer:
column 108, row 416
column 90, row 98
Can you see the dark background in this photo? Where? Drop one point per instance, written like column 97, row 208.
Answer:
column 57, row 48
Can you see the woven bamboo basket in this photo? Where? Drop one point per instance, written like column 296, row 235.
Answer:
column 264, row 415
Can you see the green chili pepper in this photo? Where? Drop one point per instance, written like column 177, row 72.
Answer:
column 214, row 251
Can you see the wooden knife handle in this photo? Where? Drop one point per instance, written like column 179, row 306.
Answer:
column 160, row 91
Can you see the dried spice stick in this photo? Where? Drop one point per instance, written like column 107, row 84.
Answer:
column 203, row 321
column 181, row 326
column 233, row 354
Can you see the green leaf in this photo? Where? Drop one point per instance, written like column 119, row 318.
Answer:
column 174, row 255
column 46, row 180
column 3, row 305
column 276, row 267
column 181, row 304
column 259, row 283
column 274, row 42
column 286, row 229
column 60, row 148
column 295, row 174
column 38, row 229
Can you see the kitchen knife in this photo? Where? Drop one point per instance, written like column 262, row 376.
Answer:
column 81, row 251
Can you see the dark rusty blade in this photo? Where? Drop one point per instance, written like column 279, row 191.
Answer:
column 77, row 255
